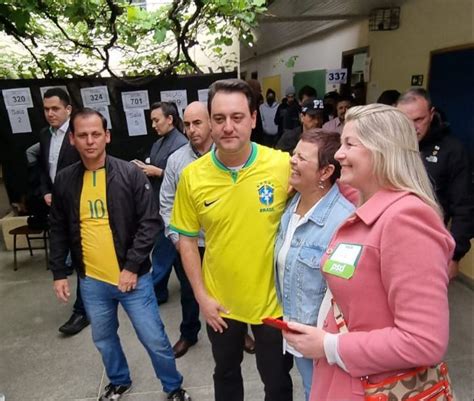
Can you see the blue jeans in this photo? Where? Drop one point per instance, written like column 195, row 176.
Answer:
column 165, row 256
column 101, row 301
column 162, row 258
column 305, row 367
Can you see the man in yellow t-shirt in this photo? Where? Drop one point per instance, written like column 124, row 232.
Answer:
column 236, row 194
column 98, row 252
column 104, row 211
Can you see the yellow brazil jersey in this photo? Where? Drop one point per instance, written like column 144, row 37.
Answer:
column 239, row 212
column 98, row 249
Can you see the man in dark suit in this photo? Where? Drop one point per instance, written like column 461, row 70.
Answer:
column 55, row 150
column 56, row 153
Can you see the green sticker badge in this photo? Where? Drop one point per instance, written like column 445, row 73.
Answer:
column 343, row 261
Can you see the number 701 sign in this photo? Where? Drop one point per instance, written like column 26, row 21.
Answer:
column 336, row 76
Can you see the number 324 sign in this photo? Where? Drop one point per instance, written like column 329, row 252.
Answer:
column 336, row 76
column 96, row 95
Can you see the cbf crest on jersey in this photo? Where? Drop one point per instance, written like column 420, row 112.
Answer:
column 266, row 195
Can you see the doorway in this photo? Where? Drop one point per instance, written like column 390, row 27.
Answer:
column 355, row 62
column 451, row 86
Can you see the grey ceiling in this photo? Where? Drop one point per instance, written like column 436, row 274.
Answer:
column 304, row 18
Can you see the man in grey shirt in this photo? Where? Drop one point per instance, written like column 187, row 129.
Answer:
column 198, row 130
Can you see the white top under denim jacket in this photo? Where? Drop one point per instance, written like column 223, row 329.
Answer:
column 303, row 286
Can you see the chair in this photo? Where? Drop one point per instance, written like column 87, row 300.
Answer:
column 31, row 234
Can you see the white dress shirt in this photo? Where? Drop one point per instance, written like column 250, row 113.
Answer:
column 57, row 137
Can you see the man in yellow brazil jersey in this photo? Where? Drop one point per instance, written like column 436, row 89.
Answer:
column 236, row 193
column 103, row 210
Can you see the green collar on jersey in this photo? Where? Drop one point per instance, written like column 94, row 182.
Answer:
column 221, row 166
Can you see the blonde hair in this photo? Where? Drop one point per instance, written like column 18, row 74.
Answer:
column 391, row 138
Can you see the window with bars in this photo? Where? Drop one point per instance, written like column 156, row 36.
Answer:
column 384, row 19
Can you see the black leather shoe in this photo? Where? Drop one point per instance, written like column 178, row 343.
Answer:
column 181, row 347
column 74, row 325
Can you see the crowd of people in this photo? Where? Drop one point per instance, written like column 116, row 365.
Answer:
column 327, row 216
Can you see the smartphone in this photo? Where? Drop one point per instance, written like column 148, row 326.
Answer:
column 278, row 324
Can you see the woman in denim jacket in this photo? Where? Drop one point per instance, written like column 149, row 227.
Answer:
column 306, row 227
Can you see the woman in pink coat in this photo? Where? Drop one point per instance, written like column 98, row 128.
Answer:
column 387, row 265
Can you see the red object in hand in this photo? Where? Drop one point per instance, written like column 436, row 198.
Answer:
column 278, row 324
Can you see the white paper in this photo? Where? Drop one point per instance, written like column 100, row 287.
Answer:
column 136, row 123
column 97, row 95
column 346, row 253
column 203, row 94
column 18, row 97
column 19, row 120
column 180, row 98
column 43, row 89
column 359, row 62
column 104, row 110
column 338, row 76
column 135, row 100
column 368, row 63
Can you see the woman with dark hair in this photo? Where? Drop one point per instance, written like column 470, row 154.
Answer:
column 308, row 223
column 179, row 125
column 165, row 120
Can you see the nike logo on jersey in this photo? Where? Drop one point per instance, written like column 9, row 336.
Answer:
column 206, row 203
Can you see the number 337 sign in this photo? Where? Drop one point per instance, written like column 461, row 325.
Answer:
column 336, row 76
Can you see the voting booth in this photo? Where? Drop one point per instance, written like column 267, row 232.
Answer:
column 125, row 104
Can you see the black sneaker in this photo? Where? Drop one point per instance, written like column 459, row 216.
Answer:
column 113, row 392
column 179, row 395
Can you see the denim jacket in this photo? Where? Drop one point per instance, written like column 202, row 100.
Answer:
column 303, row 284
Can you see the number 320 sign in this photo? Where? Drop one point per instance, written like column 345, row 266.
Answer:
column 18, row 97
column 336, row 76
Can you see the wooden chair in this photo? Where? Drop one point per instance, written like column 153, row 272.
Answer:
column 31, row 234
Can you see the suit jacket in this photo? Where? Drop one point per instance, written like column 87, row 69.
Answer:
column 67, row 156
column 161, row 150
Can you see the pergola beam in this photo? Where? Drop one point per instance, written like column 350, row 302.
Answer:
column 271, row 19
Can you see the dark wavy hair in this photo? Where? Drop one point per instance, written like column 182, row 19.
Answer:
column 231, row 86
column 60, row 93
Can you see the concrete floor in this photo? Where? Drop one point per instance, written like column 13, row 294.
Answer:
column 37, row 363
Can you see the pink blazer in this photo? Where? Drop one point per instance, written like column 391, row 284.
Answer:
column 396, row 303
